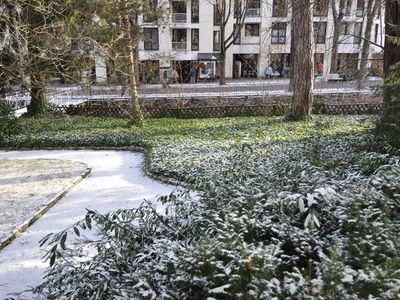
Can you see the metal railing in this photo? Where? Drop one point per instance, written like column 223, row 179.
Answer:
column 151, row 45
column 179, row 17
column 253, row 12
column 179, row 45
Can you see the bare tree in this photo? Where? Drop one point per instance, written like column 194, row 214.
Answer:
column 225, row 10
column 40, row 38
column 337, row 14
column 132, row 66
column 372, row 9
column 303, row 58
column 34, row 46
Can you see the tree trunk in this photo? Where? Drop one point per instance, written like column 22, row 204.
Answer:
column 223, row 47
column 290, row 88
column 392, row 19
column 371, row 12
column 38, row 93
column 222, row 66
column 389, row 124
column 337, row 19
column 303, row 59
column 137, row 114
column 335, row 43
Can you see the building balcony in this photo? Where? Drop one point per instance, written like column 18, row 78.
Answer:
column 179, row 45
column 253, row 13
column 179, row 17
column 250, row 40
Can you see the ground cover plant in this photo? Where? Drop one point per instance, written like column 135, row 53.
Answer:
column 284, row 210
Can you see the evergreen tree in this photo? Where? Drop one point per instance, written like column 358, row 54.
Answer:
column 389, row 124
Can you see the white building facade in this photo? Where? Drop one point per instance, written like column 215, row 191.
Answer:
column 189, row 39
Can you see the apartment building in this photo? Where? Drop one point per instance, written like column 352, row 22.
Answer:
column 190, row 40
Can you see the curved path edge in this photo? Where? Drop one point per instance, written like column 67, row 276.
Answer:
column 31, row 220
column 118, row 180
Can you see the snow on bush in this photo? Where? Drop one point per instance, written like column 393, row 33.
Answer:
column 281, row 213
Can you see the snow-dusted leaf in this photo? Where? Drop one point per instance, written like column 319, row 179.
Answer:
column 316, row 221
column 310, row 200
column 301, row 205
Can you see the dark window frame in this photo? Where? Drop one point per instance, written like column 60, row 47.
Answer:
column 278, row 33
column 151, row 43
column 320, row 32
column 249, row 29
column 193, row 44
column 279, row 8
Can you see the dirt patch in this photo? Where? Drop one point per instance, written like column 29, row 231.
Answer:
column 26, row 186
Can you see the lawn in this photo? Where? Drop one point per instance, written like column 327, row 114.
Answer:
column 284, row 210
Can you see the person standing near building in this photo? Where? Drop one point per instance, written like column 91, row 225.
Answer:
column 268, row 70
column 175, row 76
column 192, row 75
column 164, row 80
column 320, row 68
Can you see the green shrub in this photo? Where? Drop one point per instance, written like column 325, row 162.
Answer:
column 8, row 123
column 285, row 210
column 389, row 124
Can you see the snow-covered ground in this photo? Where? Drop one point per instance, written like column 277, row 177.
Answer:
column 29, row 185
column 116, row 181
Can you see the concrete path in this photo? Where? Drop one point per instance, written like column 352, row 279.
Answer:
column 116, row 181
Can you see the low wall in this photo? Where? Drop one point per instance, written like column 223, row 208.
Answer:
column 270, row 105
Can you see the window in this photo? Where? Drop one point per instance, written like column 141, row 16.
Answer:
column 321, row 8
column 360, row 8
column 253, row 9
column 252, row 29
column 195, row 39
column 237, row 37
column 319, row 32
column 344, row 28
column 357, row 33
column 179, row 39
column 217, row 41
column 345, row 31
column 150, row 16
column 179, row 11
column 278, row 34
column 346, row 9
column 217, row 16
column 195, row 11
column 279, row 8
column 150, row 38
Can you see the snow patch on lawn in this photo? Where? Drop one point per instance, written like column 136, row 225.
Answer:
column 29, row 185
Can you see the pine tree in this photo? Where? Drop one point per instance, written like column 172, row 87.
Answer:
column 389, row 124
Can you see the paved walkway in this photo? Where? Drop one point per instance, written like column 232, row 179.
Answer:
column 116, row 181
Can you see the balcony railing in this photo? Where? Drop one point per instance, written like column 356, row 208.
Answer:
column 253, row 12
column 195, row 46
column 195, row 18
column 179, row 17
column 150, row 45
column 179, row 45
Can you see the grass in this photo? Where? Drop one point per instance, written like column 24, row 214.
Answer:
column 110, row 132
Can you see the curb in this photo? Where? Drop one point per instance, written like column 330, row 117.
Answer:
column 25, row 225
